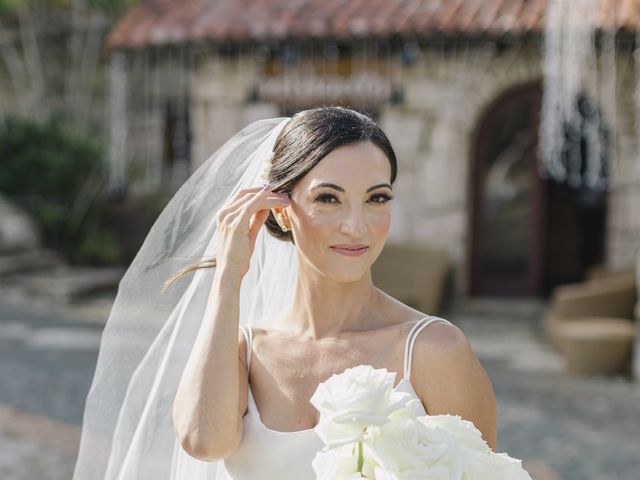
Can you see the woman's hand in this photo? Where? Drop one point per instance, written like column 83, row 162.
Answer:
column 238, row 223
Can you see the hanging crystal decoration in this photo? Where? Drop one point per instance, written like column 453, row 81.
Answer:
column 574, row 144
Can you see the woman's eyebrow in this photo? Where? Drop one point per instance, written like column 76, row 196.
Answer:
column 340, row 189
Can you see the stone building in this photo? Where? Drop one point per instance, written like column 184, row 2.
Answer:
column 457, row 86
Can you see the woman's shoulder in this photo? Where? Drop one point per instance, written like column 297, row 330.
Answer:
column 444, row 361
column 442, row 336
column 450, row 378
column 440, row 350
column 441, row 331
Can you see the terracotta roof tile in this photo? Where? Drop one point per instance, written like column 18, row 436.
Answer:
column 157, row 22
column 532, row 15
column 507, row 14
column 399, row 20
column 467, row 20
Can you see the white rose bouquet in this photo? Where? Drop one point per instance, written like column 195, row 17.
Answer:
column 371, row 431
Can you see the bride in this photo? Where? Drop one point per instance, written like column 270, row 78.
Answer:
column 221, row 387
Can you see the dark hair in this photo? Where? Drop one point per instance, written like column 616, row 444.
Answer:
column 308, row 137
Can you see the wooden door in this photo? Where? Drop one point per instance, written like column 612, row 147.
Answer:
column 507, row 208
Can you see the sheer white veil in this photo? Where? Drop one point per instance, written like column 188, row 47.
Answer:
column 127, row 431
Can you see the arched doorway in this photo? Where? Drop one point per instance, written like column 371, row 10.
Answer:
column 527, row 234
column 507, row 209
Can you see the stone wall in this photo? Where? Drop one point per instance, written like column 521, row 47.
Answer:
column 219, row 103
column 432, row 130
column 445, row 95
column 623, row 225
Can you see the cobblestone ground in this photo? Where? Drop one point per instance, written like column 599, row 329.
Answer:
column 561, row 426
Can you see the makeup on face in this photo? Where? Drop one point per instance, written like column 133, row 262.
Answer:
column 328, row 198
column 350, row 251
column 343, row 205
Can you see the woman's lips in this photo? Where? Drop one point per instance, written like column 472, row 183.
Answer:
column 351, row 252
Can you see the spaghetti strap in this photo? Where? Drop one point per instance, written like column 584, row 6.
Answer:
column 411, row 337
column 248, row 337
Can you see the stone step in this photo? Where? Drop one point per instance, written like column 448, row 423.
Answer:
column 29, row 261
column 70, row 283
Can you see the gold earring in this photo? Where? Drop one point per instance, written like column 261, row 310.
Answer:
column 284, row 229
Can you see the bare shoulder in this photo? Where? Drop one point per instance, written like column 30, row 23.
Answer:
column 440, row 349
column 442, row 338
column 450, row 379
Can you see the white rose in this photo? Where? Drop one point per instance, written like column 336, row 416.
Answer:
column 383, row 474
column 351, row 401
column 336, row 464
column 463, row 432
column 412, row 409
column 341, row 463
column 403, row 449
column 469, row 452
column 495, row 465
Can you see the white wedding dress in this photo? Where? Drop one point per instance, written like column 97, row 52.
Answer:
column 267, row 454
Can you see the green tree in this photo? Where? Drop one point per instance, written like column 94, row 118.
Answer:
column 54, row 171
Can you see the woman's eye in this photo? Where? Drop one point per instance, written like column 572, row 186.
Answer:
column 384, row 196
column 378, row 198
column 325, row 198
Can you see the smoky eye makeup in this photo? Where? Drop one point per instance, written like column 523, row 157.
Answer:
column 325, row 198
column 384, row 196
column 379, row 198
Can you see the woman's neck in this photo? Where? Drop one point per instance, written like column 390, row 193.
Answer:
column 324, row 308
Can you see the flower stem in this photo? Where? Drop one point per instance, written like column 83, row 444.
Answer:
column 360, row 457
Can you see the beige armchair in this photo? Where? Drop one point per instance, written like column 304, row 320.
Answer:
column 597, row 345
column 414, row 274
column 602, row 295
column 592, row 323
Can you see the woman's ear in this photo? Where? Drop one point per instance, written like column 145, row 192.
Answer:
column 281, row 217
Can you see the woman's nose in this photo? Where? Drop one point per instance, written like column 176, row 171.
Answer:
column 354, row 223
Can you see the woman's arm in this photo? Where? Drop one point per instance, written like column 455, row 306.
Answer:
column 211, row 396
column 449, row 378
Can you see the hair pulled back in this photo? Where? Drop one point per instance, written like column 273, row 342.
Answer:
column 311, row 135
column 307, row 138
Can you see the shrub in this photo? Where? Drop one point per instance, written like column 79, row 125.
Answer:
column 55, row 171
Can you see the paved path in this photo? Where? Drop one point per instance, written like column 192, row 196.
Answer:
column 562, row 427
column 47, row 360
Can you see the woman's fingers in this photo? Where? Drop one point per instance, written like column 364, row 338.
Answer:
column 245, row 191
column 241, row 197
column 239, row 227
column 256, row 222
column 264, row 199
column 258, row 201
column 233, row 206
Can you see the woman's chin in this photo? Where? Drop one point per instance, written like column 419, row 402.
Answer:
column 348, row 277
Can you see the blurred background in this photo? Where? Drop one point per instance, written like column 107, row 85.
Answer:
column 516, row 209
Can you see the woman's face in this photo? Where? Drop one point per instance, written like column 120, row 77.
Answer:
column 345, row 200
